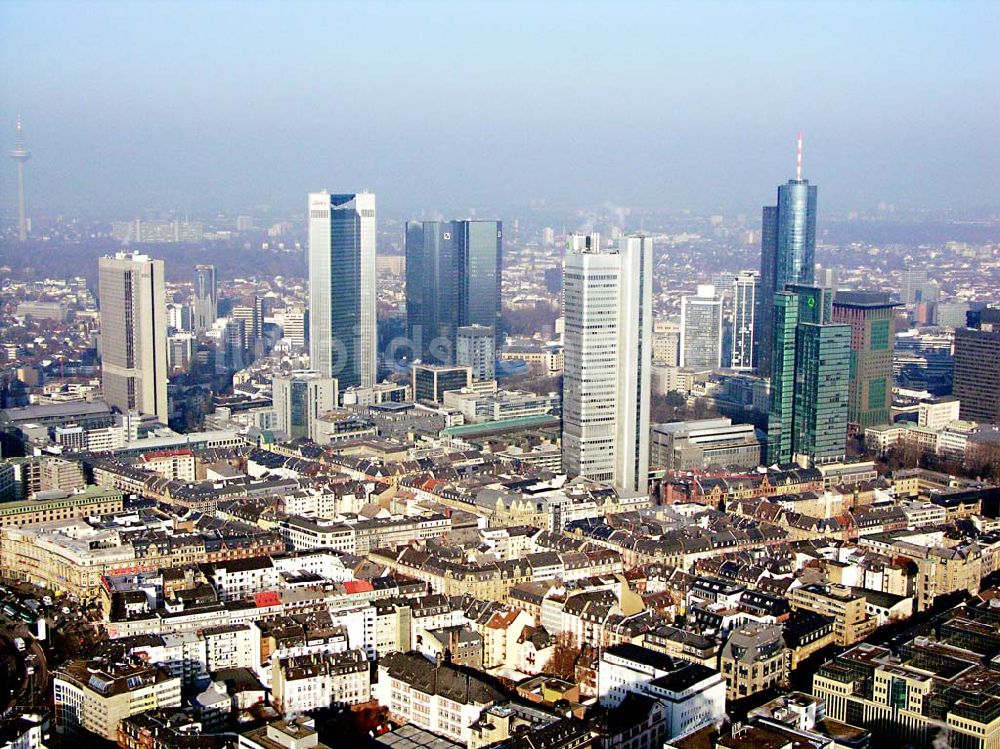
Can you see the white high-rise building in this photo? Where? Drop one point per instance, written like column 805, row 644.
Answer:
column 293, row 326
column 744, row 301
column 608, row 356
column 299, row 399
column 342, row 325
column 133, row 333
column 701, row 329
column 475, row 346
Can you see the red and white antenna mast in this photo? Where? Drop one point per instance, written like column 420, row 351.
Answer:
column 798, row 158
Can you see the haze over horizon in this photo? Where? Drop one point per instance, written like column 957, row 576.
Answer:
column 444, row 106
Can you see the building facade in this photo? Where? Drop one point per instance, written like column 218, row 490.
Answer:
column 810, row 376
column 787, row 255
column 342, row 334
column 701, row 329
column 745, row 288
column 299, row 399
column 870, row 317
column 475, row 347
column 453, row 279
column 977, row 374
column 133, row 334
column 205, row 305
column 608, row 358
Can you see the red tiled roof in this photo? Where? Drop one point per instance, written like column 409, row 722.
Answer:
column 358, row 586
column 267, row 598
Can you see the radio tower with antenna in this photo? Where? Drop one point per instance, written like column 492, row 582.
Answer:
column 20, row 154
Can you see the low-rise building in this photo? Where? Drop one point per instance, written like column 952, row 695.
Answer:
column 95, row 695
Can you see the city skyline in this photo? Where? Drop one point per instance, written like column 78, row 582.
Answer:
column 716, row 151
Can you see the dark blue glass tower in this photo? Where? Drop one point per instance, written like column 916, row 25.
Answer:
column 787, row 256
column 453, row 278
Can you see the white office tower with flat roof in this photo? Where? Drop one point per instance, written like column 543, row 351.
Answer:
column 342, row 326
column 701, row 329
column 133, row 333
column 744, row 303
column 299, row 399
column 608, row 358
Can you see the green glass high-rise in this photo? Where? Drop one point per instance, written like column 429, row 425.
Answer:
column 810, row 366
column 822, row 357
column 780, row 415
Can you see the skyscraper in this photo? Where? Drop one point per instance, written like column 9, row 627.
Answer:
column 787, row 252
column 206, row 300
column 475, row 347
column 453, row 278
column 701, row 329
column 917, row 287
column 782, row 407
column 133, row 334
column 810, row 373
column 822, row 364
column 20, row 154
column 744, row 308
column 342, row 325
column 977, row 368
column 870, row 316
column 608, row 356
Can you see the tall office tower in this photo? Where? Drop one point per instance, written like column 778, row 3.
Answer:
column 744, row 307
column 453, row 278
column 233, row 345
column 608, row 359
column 828, row 278
column 179, row 317
column 870, row 316
column 822, row 382
column 133, row 334
column 781, row 412
column 475, row 347
column 809, row 378
column 251, row 312
column 20, row 154
column 300, row 398
column 917, row 287
column 206, row 301
column 293, row 326
column 787, row 252
column 701, row 329
column 343, row 332
column 977, row 369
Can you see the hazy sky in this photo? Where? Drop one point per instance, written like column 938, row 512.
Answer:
column 221, row 106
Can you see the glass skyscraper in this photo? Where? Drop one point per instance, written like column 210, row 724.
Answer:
column 810, row 371
column 780, row 415
column 745, row 289
column 453, row 279
column 822, row 358
column 342, row 340
column 787, row 255
column 205, row 297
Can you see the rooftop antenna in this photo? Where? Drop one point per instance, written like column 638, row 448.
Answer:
column 798, row 159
